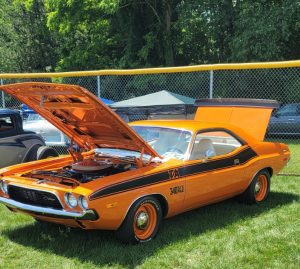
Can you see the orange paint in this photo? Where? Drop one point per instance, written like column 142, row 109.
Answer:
column 178, row 184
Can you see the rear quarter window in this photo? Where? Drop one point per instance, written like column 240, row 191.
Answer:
column 213, row 143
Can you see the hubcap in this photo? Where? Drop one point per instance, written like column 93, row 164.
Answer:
column 142, row 220
column 257, row 187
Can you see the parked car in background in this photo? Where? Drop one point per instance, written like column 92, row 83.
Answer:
column 25, row 111
column 128, row 178
column 18, row 145
column 285, row 121
column 51, row 135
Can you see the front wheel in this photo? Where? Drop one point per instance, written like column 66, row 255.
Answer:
column 142, row 221
column 258, row 190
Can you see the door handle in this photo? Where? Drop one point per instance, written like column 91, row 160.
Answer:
column 291, row 119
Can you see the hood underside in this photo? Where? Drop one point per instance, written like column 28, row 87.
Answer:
column 80, row 115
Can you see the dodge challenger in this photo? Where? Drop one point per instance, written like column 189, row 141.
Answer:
column 128, row 178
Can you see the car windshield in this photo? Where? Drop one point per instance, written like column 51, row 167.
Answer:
column 167, row 142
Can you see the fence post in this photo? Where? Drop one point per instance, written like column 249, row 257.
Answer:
column 98, row 87
column 211, row 84
column 2, row 93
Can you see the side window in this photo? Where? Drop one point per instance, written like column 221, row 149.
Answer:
column 288, row 110
column 213, row 143
column 298, row 110
column 6, row 124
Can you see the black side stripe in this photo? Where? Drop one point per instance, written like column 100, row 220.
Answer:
column 243, row 157
column 184, row 171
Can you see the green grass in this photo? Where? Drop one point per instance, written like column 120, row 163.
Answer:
column 224, row 235
column 294, row 165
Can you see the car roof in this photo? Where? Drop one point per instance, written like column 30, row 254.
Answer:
column 194, row 126
column 4, row 111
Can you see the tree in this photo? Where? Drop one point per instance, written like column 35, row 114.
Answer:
column 36, row 43
column 98, row 34
column 26, row 44
column 266, row 31
column 8, row 37
column 103, row 34
column 204, row 30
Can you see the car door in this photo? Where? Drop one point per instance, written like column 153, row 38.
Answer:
column 217, row 169
column 11, row 150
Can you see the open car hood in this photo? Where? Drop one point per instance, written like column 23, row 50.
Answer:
column 80, row 115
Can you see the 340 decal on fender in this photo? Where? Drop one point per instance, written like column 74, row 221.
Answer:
column 176, row 190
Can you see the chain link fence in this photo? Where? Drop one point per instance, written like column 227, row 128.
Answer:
column 281, row 83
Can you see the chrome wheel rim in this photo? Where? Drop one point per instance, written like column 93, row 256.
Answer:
column 142, row 220
column 257, row 187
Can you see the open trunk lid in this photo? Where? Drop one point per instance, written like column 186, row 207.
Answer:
column 251, row 115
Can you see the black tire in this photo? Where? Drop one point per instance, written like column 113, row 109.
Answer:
column 40, row 221
column 258, row 190
column 132, row 232
column 45, row 152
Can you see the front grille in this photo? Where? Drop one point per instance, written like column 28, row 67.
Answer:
column 34, row 197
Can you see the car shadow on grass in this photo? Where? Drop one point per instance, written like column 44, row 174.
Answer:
column 102, row 248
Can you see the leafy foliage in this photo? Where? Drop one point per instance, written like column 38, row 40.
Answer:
column 8, row 37
column 38, row 35
column 266, row 30
column 26, row 42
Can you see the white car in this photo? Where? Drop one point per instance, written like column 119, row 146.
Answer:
column 51, row 135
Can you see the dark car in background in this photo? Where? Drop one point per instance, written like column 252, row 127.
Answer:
column 285, row 121
column 18, row 145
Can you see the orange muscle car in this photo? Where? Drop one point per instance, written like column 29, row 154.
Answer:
column 128, row 179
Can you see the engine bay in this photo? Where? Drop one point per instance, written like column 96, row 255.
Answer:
column 83, row 170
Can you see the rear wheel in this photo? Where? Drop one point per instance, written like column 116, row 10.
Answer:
column 142, row 221
column 258, row 190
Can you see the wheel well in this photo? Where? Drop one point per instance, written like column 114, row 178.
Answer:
column 163, row 202
column 270, row 170
column 31, row 154
column 161, row 199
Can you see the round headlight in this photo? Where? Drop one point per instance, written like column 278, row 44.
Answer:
column 83, row 203
column 71, row 200
column 3, row 186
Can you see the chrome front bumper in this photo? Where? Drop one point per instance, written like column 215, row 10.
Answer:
column 49, row 212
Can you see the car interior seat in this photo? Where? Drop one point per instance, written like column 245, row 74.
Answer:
column 203, row 149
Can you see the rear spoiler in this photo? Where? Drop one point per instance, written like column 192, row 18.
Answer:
column 237, row 102
column 251, row 115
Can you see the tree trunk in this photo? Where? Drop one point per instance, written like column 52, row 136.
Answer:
column 167, row 37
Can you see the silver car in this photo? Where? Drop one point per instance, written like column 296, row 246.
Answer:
column 51, row 135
